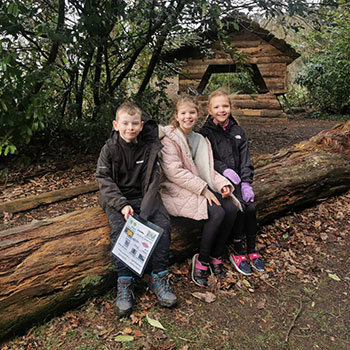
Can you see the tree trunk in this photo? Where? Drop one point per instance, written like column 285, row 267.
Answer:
column 53, row 265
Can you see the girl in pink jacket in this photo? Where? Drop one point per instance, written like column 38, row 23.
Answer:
column 192, row 188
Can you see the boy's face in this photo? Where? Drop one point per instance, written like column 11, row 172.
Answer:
column 220, row 108
column 129, row 126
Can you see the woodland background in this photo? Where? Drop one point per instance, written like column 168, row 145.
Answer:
column 66, row 65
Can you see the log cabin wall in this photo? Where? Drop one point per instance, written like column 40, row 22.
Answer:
column 247, row 106
column 268, row 56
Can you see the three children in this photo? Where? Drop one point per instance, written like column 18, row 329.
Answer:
column 209, row 181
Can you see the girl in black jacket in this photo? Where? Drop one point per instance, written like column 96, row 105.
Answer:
column 232, row 159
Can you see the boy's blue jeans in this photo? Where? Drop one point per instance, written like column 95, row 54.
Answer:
column 160, row 258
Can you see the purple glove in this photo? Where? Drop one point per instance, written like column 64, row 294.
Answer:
column 247, row 192
column 232, row 175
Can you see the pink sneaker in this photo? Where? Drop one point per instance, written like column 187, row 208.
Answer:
column 241, row 264
column 199, row 272
column 256, row 262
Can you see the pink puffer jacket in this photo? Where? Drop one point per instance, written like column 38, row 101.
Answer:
column 181, row 185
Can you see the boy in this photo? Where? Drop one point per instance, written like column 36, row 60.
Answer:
column 128, row 176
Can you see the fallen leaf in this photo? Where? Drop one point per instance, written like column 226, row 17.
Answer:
column 212, row 282
column 127, row 331
column 106, row 331
column 323, row 236
column 333, row 276
column 208, row 297
column 137, row 318
column 123, row 338
column 246, row 282
column 138, row 333
column 154, row 323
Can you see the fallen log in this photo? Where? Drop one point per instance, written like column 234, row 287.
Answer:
column 32, row 202
column 298, row 176
column 53, row 265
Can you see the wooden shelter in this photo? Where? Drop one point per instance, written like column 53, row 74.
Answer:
column 267, row 56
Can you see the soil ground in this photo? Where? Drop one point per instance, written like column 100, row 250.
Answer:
column 300, row 302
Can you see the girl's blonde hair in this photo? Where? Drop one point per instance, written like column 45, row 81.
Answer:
column 184, row 100
column 220, row 92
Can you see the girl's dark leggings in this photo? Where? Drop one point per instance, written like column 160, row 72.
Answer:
column 245, row 225
column 217, row 228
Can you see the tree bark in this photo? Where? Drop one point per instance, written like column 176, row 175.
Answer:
column 53, row 265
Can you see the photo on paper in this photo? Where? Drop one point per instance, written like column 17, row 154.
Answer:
column 133, row 251
column 151, row 235
column 129, row 232
column 126, row 243
column 141, row 257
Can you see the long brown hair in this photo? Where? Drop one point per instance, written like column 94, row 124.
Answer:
column 183, row 100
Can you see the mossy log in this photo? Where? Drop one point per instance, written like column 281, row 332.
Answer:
column 53, row 265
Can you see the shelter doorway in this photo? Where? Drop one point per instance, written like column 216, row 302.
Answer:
column 236, row 81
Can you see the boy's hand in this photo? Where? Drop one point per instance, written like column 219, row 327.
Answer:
column 225, row 191
column 127, row 211
column 210, row 196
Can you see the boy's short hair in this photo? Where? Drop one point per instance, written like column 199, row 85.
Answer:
column 130, row 108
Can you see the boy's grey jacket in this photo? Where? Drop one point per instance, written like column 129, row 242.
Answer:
column 109, row 162
column 230, row 148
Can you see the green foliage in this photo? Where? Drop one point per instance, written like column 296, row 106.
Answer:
column 241, row 83
column 297, row 98
column 66, row 65
column 327, row 70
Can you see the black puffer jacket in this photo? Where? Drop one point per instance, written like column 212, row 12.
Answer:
column 109, row 163
column 230, row 148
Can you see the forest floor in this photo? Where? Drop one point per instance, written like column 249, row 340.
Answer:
column 300, row 302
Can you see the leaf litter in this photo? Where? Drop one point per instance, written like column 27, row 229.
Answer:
column 292, row 247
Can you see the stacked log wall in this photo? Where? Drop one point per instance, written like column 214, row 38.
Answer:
column 271, row 62
column 249, row 106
